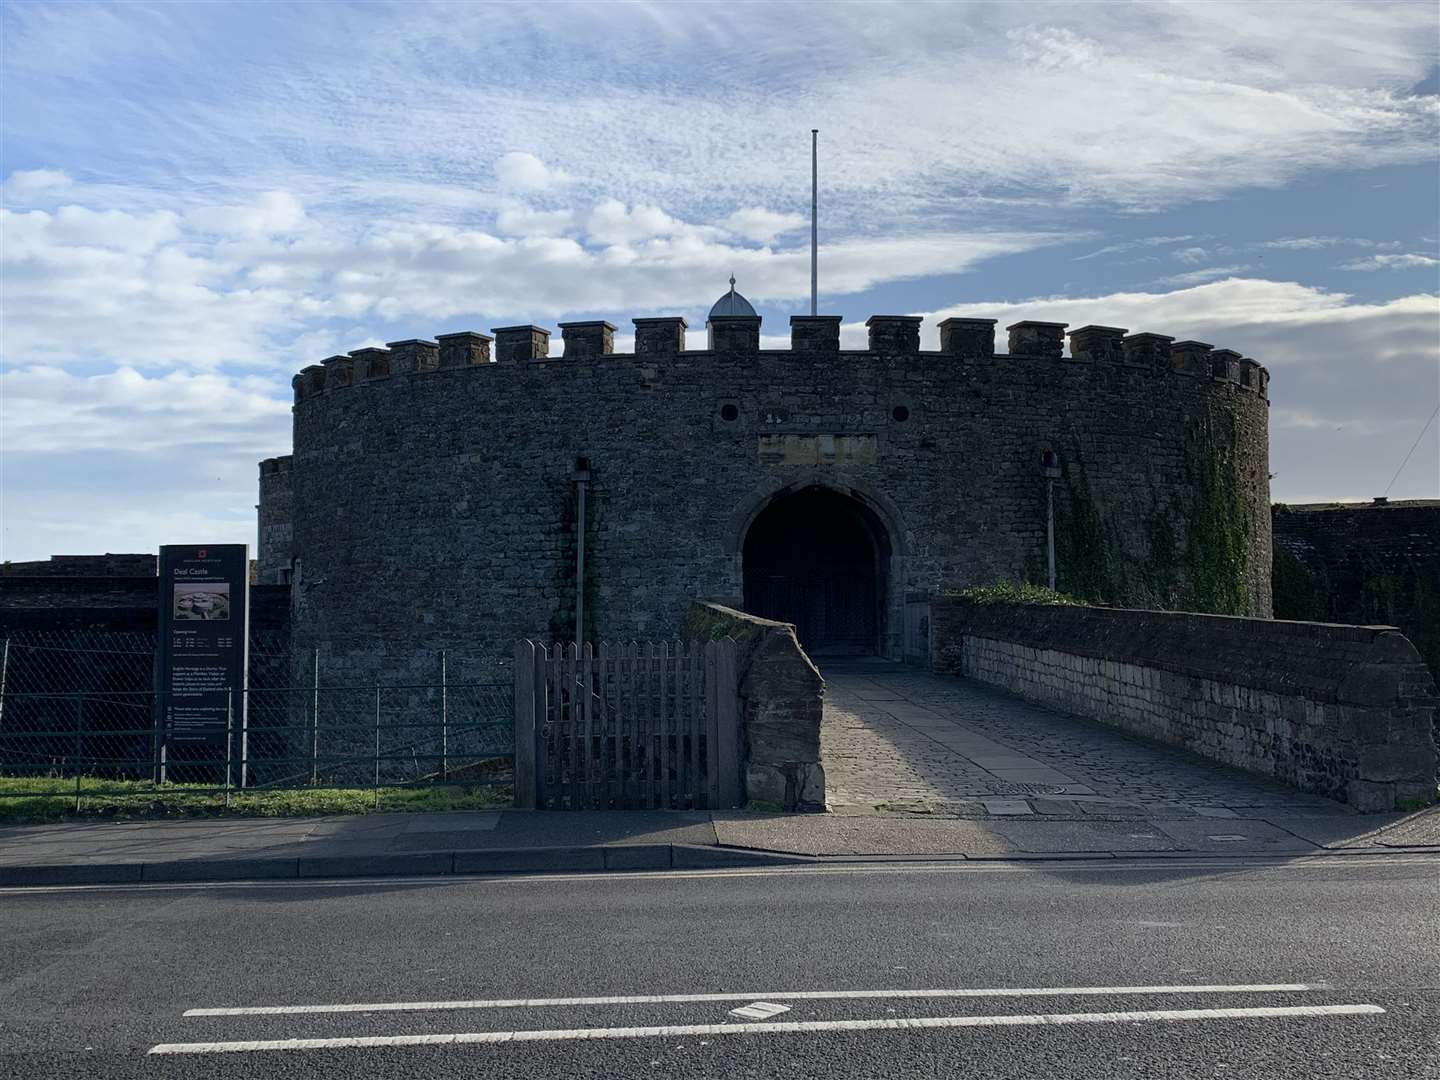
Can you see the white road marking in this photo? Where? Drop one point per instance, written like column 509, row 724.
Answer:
column 780, row 995
column 801, row 1027
column 760, row 1010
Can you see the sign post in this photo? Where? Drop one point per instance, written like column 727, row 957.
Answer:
column 203, row 660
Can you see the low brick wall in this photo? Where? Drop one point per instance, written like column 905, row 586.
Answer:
column 1342, row 711
column 781, row 699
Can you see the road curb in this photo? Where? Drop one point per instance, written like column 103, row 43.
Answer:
column 598, row 859
column 572, row 860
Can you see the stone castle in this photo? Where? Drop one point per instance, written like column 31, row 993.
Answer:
column 431, row 497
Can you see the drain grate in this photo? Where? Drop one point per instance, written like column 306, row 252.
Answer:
column 1023, row 789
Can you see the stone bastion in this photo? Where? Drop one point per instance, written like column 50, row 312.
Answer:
column 431, row 499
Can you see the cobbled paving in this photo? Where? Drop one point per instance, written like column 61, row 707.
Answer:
column 884, row 746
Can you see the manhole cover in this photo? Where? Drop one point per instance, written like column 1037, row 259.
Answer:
column 1024, row 789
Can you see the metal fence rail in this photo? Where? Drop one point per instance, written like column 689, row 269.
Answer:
column 280, row 737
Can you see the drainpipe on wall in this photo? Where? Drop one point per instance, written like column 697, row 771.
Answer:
column 581, row 476
column 1050, row 469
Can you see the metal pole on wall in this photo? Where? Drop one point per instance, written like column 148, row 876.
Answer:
column 1050, row 469
column 814, row 216
column 377, row 747
column 229, row 740
column 1050, row 530
column 444, row 719
column 314, row 716
column 4, row 671
column 581, row 476
column 79, row 735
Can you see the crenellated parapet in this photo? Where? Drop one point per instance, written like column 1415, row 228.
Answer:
column 732, row 337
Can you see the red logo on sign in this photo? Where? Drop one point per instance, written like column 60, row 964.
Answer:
column 200, row 554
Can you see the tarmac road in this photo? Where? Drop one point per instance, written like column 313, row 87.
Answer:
column 1167, row 967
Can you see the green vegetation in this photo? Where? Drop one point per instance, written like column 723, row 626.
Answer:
column 1003, row 592
column 33, row 800
column 1084, row 557
column 1218, row 544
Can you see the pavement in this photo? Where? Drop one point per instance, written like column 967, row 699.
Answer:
column 1148, row 967
column 918, row 766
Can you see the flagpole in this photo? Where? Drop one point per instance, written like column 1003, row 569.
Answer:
column 814, row 204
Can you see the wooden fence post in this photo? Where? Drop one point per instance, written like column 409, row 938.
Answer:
column 727, row 694
column 525, row 733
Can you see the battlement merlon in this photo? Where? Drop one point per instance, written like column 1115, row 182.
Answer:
column 1098, row 344
column 894, row 335
column 1030, row 338
column 595, row 338
column 274, row 466
column 660, row 337
column 961, row 338
column 519, row 344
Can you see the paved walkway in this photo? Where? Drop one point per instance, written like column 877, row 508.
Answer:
column 895, row 738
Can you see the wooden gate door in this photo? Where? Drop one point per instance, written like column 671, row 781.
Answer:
column 634, row 726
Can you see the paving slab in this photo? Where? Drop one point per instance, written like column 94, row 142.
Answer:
column 1238, row 836
column 1420, row 829
column 1084, row 836
column 828, row 834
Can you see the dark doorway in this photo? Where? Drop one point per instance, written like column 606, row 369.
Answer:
column 817, row 559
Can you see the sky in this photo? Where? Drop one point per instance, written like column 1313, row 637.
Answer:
column 200, row 199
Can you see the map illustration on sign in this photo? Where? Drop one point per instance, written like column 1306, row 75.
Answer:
column 207, row 600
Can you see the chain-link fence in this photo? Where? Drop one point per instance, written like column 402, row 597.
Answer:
column 83, row 706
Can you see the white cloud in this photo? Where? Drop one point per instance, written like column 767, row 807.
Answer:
column 1196, row 277
column 1390, row 262
column 517, row 219
column 761, row 225
column 49, row 409
column 269, row 214
column 24, row 185
column 248, row 283
column 525, row 172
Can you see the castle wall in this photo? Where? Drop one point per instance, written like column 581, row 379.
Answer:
column 433, row 505
column 1362, row 563
column 272, row 552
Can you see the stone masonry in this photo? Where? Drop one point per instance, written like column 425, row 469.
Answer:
column 1343, row 711
column 431, row 492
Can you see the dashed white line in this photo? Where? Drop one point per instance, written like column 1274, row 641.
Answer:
column 803, row 1027
column 766, row 995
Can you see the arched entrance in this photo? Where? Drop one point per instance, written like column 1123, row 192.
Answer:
column 818, row 559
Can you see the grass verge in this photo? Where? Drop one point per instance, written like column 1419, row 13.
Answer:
column 36, row 800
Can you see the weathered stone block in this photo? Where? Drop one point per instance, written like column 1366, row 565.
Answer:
column 595, row 338
column 371, row 363
column 815, row 333
column 734, row 333
column 520, row 344
column 1191, row 358
column 1098, row 344
column 413, row 354
column 894, row 334
column 1149, row 351
column 659, row 337
column 464, row 349
column 1030, row 338
column 968, row 339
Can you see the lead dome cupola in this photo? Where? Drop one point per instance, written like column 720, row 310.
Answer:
column 732, row 303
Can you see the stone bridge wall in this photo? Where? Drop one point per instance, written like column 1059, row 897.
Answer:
column 1343, row 711
column 781, row 697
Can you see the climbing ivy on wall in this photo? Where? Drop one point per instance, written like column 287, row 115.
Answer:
column 1208, row 572
column 1218, row 541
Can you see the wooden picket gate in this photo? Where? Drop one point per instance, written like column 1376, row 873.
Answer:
column 637, row 726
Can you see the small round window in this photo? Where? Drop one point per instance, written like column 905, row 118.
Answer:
column 729, row 413
column 901, row 413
